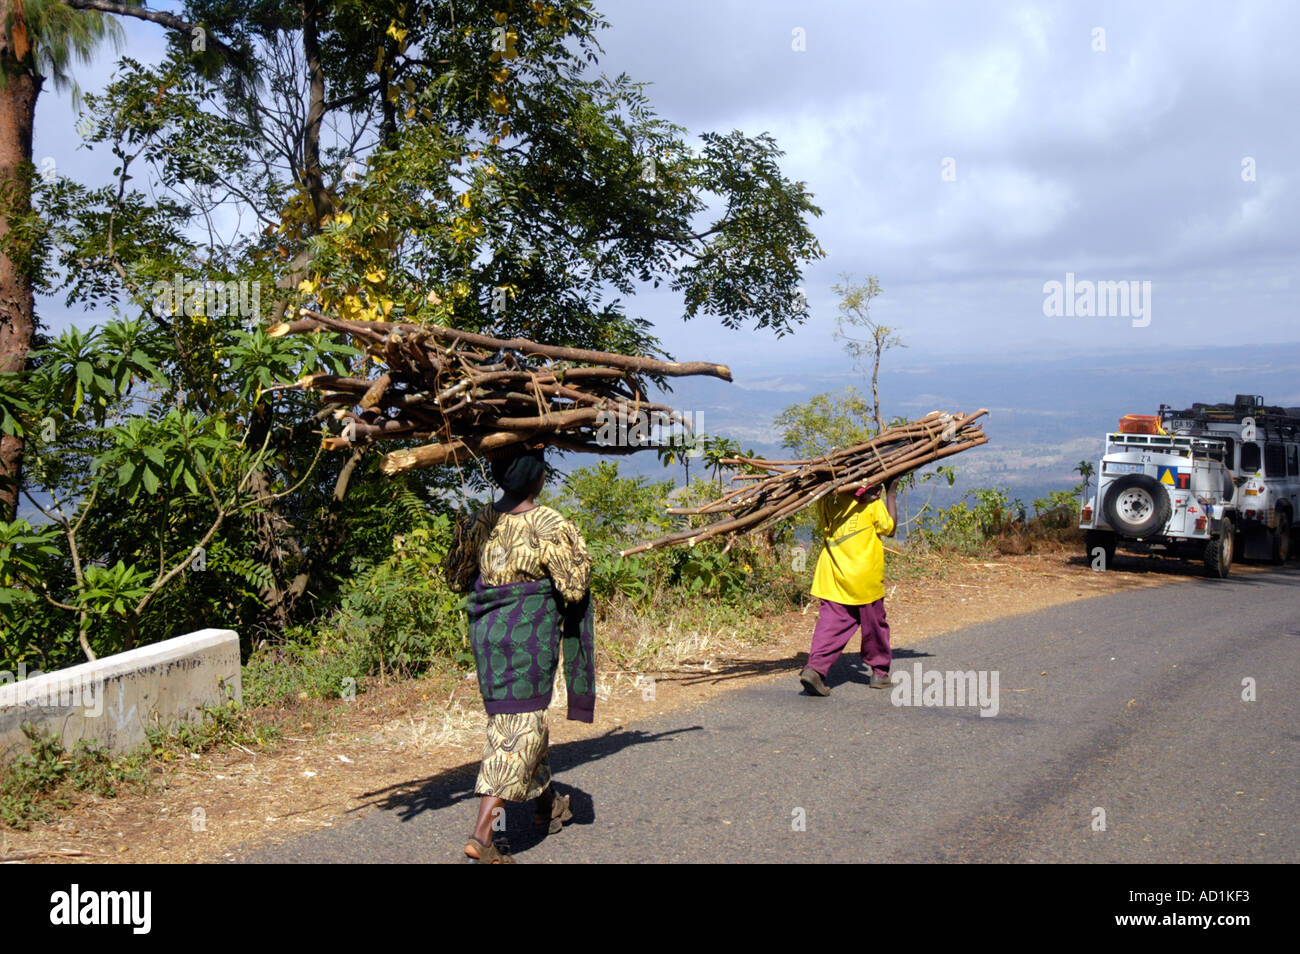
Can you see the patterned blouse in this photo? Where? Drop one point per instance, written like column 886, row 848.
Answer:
column 511, row 548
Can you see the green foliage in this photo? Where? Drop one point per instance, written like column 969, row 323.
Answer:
column 1059, row 510
column 716, row 450
column 854, row 319
column 219, row 726
column 613, row 576
column 609, row 508
column 401, row 616
column 611, row 511
column 24, row 555
column 171, row 426
column 826, row 422
column 43, row 778
column 323, row 666
column 713, row 573
column 985, row 515
column 61, row 35
column 112, row 590
column 14, row 406
column 968, row 525
column 1085, row 469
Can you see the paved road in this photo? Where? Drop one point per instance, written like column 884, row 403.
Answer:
column 1131, row 703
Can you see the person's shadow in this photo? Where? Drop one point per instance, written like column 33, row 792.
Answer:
column 850, row 668
column 454, row 785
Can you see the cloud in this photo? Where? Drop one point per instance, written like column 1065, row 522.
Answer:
column 1115, row 164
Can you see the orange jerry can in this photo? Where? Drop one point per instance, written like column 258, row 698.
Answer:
column 1140, row 424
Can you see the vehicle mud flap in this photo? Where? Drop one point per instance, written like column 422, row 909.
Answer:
column 1256, row 544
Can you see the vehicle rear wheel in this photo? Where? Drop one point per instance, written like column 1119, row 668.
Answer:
column 1137, row 505
column 1282, row 539
column 1218, row 551
column 1094, row 540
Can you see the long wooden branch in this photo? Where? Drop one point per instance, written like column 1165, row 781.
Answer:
column 379, row 329
column 162, row 18
column 471, row 393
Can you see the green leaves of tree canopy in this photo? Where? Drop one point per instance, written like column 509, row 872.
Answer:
column 400, row 158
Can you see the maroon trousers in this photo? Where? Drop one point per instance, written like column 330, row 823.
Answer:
column 836, row 624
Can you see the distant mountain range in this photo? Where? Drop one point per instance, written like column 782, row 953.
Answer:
column 1045, row 414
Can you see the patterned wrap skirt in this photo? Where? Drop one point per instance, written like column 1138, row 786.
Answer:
column 515, row 764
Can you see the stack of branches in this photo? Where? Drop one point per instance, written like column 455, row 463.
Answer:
column 781, row 488
column 469, row 394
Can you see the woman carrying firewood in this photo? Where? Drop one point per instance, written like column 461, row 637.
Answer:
column 850, row 582
column 527, row 571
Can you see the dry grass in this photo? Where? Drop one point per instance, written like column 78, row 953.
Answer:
column 687, row 636
column 457, row 726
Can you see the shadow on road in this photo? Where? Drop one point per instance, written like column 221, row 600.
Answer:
column 791, row 664
column 736, row 670
column 850, row 668
column 1272, row 576
column 1243, row 571
column 456, row 784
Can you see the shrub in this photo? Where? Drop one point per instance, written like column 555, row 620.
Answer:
column 41, row 778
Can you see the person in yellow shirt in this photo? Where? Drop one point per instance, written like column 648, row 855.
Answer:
column 850, row 582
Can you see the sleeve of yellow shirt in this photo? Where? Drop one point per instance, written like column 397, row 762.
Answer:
column 881, row 518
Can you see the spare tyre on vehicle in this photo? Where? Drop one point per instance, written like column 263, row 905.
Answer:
column 1137, row 505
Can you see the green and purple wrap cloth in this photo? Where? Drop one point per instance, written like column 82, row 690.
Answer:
column 516, row 632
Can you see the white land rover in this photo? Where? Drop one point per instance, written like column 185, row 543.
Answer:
column 1162, row 494
column 1264, row 456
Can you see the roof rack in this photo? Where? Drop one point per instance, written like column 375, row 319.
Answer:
column 1283, row 421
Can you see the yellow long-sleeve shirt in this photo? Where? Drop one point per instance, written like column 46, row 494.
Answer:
column 851, row 568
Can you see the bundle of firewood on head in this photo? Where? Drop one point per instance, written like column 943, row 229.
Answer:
column 469, row 395
column 787, row 486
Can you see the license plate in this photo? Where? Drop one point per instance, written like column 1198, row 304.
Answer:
column 1124, row 468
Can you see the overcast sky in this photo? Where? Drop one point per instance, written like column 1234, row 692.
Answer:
column 1123, row 163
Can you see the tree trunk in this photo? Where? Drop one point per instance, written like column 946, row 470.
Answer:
column 22, row 84
column 875, row 388
column 314, row 178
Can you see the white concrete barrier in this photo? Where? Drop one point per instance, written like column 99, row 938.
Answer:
column 111, row 701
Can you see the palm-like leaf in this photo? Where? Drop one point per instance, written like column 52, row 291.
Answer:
column 62, row 35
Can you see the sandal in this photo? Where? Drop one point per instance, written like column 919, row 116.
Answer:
column 489, row 854
column 561, row 815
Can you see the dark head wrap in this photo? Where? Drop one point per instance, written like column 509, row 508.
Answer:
column 515, row 473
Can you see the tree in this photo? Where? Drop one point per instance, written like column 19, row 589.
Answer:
column 855, row 313
column 1085, row 470
column 38, row 40
column 825, row 422
column 679, row 452
column 394, row 159
column 716, row 450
